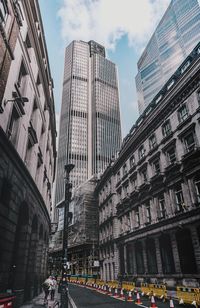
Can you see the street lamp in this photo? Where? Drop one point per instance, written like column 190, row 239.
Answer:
column 68, row 186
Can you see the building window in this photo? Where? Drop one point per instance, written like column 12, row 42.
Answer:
column 148, row 213
column 166, row 128
column 185, row 66
column 22, row 79
column 13, row 126
column 137, row 217
column 156, row 166
column 141, row 152
column 171, row 154
column 126, row 190
column 179, row 198
column 3, row 11
column 144, row 175
column 189, row 142
column 152, row 142
column 134, row 183
column 120, row 194
column 197, row 187
column 124, row 169
column 198, row 96
column 118, row 176
column 182, row 113
column 161, row 203
column 132, row 161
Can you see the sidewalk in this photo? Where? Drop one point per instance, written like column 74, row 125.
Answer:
column 38, row 301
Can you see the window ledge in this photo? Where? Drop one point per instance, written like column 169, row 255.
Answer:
column 153, row 149
column 184, row 122
column 166, row 138
column 141, row 160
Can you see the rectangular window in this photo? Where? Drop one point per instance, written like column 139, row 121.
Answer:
column 3, row 10
column 183, row 113
column 13, row 126
column 144, row 175
column 132, row 161
column 124, row 169
column 137, row 217
column 198, row 96
column 161, row 202
column 179, row 198
column 125, row 190
column 189, row 142
column 166, row 129
column 171, row 153
column 197, row 187
column 134, row 183
column 148, row 213
column 156, row 166
column 152, row 142
column 119, row 195
column 141, row 152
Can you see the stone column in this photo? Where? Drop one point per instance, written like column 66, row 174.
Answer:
column 144, row 256
column 158, row 256
column 125, row 258
column 186, row 196
column 134, row 261
column 175, row 254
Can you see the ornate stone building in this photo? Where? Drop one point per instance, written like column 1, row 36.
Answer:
column 27, row 148
column 149, row 197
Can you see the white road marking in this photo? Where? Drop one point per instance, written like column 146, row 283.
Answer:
column 71, row 301
column 142, row 306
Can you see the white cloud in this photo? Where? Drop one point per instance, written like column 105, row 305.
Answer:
column 106, row 21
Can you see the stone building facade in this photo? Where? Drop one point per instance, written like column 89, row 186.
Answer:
column 27, row 149
column 149, row 197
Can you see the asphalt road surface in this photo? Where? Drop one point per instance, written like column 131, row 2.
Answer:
column 83, row 297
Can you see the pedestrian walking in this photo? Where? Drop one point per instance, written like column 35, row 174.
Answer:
column 53, row 288
column 47, row 286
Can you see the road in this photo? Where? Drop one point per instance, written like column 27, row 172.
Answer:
column 84, row 297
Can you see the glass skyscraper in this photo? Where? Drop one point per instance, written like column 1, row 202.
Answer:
column 174, row 38
column 90, row 128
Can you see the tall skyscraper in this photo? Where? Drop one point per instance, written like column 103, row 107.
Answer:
column 174, row 38
column 90, row 128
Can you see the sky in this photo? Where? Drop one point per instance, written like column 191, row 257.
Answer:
column 124, row 27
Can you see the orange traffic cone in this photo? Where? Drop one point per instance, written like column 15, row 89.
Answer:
column 129, row 299
column 116, row 293
column 122, row 294
column 153, row 303
column 171, row 303
column 110, row 291
column 138, row 300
